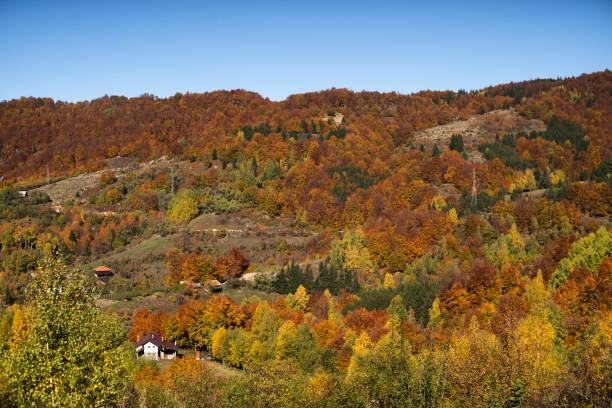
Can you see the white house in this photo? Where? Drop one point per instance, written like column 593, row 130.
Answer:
column 155, row 347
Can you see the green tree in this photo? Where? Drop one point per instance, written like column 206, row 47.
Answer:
column 264, row 331
column 397, row 312
column 271, row 171
column 435, row 152
column 589, row 251
column 299, row 344
column 266, row 323
column 386, row 373
column 276, row 384
column 456, row 142
column 246, row 171
column 350, row 253
column 73, row 355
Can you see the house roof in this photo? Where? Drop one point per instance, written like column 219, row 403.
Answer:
column 102, row 271
column 158, row 341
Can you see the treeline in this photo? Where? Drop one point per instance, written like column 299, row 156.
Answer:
column 37, row 133
column 291, row 276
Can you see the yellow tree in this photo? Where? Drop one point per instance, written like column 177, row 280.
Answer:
column 217, row 343
column 286, row 334
column 351, row 252
column 596, row 384
column 535, row 293
column 183, row 207
column 389, row 282
column 532, row 353
column 385, row 373
column 299, row 300
column 435, row 316
column 21, row 325
column 362, row 344
column 476, row 369
column 452, row 214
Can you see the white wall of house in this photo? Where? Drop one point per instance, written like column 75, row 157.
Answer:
column 150, row 350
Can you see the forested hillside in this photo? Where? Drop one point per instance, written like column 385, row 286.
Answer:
column 365, row 255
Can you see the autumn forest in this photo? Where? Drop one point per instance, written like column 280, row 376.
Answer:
column 333, row 249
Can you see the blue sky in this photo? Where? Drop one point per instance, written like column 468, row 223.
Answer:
column 82, row 50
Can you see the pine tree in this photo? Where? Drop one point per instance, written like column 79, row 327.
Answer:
column 281, row 283
column 435, row 151
column 295, row 277
column 456, row 143
column 334, row 282
column 308, row 278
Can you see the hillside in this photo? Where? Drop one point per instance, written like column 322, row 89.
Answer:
column 37, row 133
column 475, row 130
column 439, row 249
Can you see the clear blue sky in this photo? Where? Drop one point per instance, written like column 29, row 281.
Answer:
column 73, row 51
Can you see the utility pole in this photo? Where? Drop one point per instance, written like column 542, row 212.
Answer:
column 474, row 188
column 172, row 180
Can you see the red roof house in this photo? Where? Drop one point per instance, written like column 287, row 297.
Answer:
column 102, row 272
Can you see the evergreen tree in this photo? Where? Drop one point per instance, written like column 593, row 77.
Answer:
column 308, row 278
column 294, row 277
column 435, row 152
column 327, row 279
column 281, row 283
column 456, row 143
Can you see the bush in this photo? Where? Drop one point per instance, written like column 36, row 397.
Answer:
column 108, row 178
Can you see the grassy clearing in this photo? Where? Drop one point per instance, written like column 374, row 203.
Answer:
column 104, row 303
column 238, row 294
column 222, row 370
column 154, row 246
column 158, row 301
